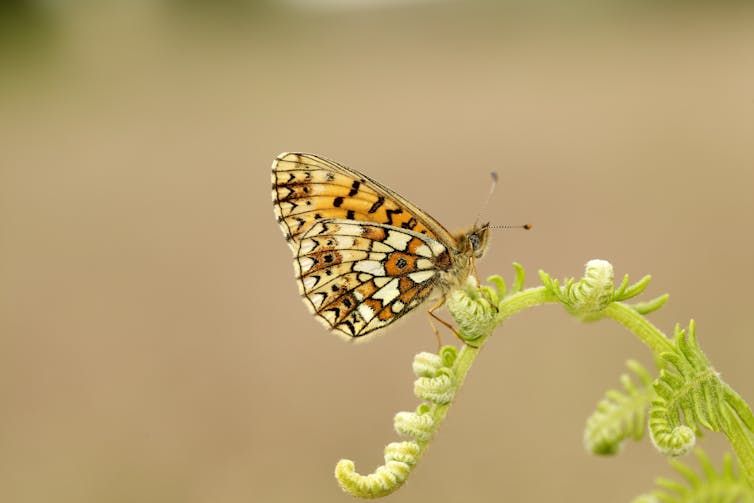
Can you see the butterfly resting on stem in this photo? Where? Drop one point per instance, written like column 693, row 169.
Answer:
column 364, row 255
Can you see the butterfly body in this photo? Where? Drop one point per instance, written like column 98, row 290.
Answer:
column 364, row 256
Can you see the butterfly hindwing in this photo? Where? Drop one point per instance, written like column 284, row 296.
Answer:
column 359, row 277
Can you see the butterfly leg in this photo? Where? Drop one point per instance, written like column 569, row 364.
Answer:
column 436, row 331
column 431, row 311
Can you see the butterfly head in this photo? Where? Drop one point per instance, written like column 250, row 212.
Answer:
column 477, row 239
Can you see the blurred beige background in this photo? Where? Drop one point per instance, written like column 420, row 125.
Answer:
column 153, row 347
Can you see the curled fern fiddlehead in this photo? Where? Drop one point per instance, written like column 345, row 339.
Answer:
column 435, row 381
column 400, row 457
column 621, row 414
column 435, row 384
column 474, row 309
column 477, row 312
column 689, row 396
column 589, row 297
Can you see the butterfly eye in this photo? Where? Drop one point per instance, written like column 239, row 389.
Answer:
column 478, row 240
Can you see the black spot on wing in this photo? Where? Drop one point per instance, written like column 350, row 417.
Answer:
column 354, row 188
column 390, row 214
column 350, row 327
column 379, row 202
column 336, row 311
column 410, row 224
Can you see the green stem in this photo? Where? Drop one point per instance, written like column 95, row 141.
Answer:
column 741, row 440
column 522, row 300
column 383, row 481
column 393, row 474
column 507, row 308
column 640, row 326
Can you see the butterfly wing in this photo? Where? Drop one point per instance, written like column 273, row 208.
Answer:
column 307, row 188
column 364, row 255
column 359, row 277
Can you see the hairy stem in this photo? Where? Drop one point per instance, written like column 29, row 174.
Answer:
column 508, row 307
column 522, row 300
column 640, row 326
column 478, row 311
column 741, row 440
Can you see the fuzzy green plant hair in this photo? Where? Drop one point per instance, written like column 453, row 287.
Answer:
column 686, row 397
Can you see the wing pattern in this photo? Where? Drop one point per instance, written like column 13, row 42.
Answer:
column 358, row 277
column 307, row 188
column 364, row 256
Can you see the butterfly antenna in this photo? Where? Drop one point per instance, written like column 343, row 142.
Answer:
column 493, row 175
column 525, row 227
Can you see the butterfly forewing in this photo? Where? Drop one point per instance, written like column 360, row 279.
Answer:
column 307, row 188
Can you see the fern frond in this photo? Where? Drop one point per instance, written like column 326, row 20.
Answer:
column 589, row 297
column 626, row 291
column 689, row 396
column 650, row 306
column 621, row 414
column 477, row 311
column 518, row 282
column 724, row 486
column 436, row 384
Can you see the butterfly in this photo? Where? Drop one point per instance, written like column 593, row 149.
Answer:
column 364, row 256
